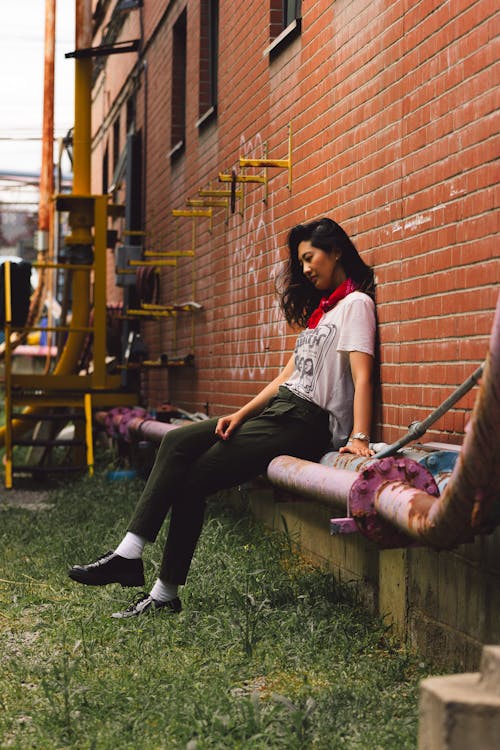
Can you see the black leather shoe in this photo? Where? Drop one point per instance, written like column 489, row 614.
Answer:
column 147, row 604
column 109, row 568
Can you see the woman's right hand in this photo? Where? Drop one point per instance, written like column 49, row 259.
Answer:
column 228, row 424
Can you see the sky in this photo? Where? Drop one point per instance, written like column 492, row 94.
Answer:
column 22, row 29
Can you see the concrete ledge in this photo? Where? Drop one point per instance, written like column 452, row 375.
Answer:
column 443, row 605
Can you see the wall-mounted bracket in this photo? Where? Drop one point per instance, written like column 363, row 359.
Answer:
column 188, row 306
column 151, row 314
column 214, row 193
column 207, row 202
column 169, row 254
column 152, row 263
column 243, row 179
column 194, row 213
column 278, row 163
column 218, row 197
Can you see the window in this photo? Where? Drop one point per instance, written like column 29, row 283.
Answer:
column 178, row 131
column 291, row 11
column 130, row 114
column 209, row 51
column 134, row 208
column 105, row 172
column 116, row 142
column 284, row 23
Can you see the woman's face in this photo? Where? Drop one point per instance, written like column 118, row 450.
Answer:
column 322, row 269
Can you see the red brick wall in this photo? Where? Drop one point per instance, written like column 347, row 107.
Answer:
column 392, row 106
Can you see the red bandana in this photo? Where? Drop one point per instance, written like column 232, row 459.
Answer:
column 328, row 303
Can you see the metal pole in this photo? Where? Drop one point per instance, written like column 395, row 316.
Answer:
column 417, row 429
column 8, row 373
column 47, row 171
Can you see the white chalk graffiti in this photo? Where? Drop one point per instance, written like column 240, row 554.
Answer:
column 253, row 239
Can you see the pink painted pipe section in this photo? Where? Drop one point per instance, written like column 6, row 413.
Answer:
column 312, row 480
column 474, row 485
column 150, row 429
column 141, row 426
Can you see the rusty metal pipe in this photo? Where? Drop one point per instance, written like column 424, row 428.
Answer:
column 141, row 427
column 312, row 480
column 46, row 173
column 150, row 429
column 47, row 170
column 472, row 496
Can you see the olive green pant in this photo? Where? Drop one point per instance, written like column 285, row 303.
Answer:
column 193, row 463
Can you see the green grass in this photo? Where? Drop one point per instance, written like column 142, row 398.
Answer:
column 267, row 653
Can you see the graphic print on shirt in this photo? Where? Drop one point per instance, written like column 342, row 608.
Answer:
column 311, row 354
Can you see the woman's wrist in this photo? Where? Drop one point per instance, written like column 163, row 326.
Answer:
column 359, row 436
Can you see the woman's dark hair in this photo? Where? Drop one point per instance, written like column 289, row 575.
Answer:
column 299, row 297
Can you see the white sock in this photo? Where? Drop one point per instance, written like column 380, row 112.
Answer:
column 131, row 546
column 163, row 592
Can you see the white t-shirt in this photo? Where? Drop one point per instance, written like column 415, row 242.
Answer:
column 322, row 370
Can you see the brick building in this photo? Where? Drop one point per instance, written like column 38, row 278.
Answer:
column 392, row 108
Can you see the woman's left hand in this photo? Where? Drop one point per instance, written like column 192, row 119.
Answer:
column 358, row 447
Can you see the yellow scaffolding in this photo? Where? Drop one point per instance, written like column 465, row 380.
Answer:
column 63, row 388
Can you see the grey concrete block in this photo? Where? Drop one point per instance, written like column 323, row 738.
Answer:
column 460, row 712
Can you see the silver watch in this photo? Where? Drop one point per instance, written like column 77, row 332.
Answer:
column 360, row 436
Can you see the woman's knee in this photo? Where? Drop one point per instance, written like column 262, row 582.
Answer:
column 188, row 439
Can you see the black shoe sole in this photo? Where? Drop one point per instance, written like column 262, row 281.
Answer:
column 75, row 575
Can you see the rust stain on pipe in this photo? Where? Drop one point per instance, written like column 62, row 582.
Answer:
column 312, row 480
column 47, row 171
column 83, row 23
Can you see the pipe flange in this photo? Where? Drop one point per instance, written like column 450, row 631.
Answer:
column 125, row 420
column 110, row 420
column 365, row 488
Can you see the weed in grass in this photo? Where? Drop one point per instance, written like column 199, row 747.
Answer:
column 61, row 690
column 248, row 613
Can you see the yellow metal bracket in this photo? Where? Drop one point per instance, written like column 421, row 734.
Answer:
column 152, row 263
column 216, row 198
column 134, row 233
column 194, row 213
column 151, row 314
column 63, row 266
column 242, row 179
column 169, row 254
column 278, row 163
column 208, row 203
